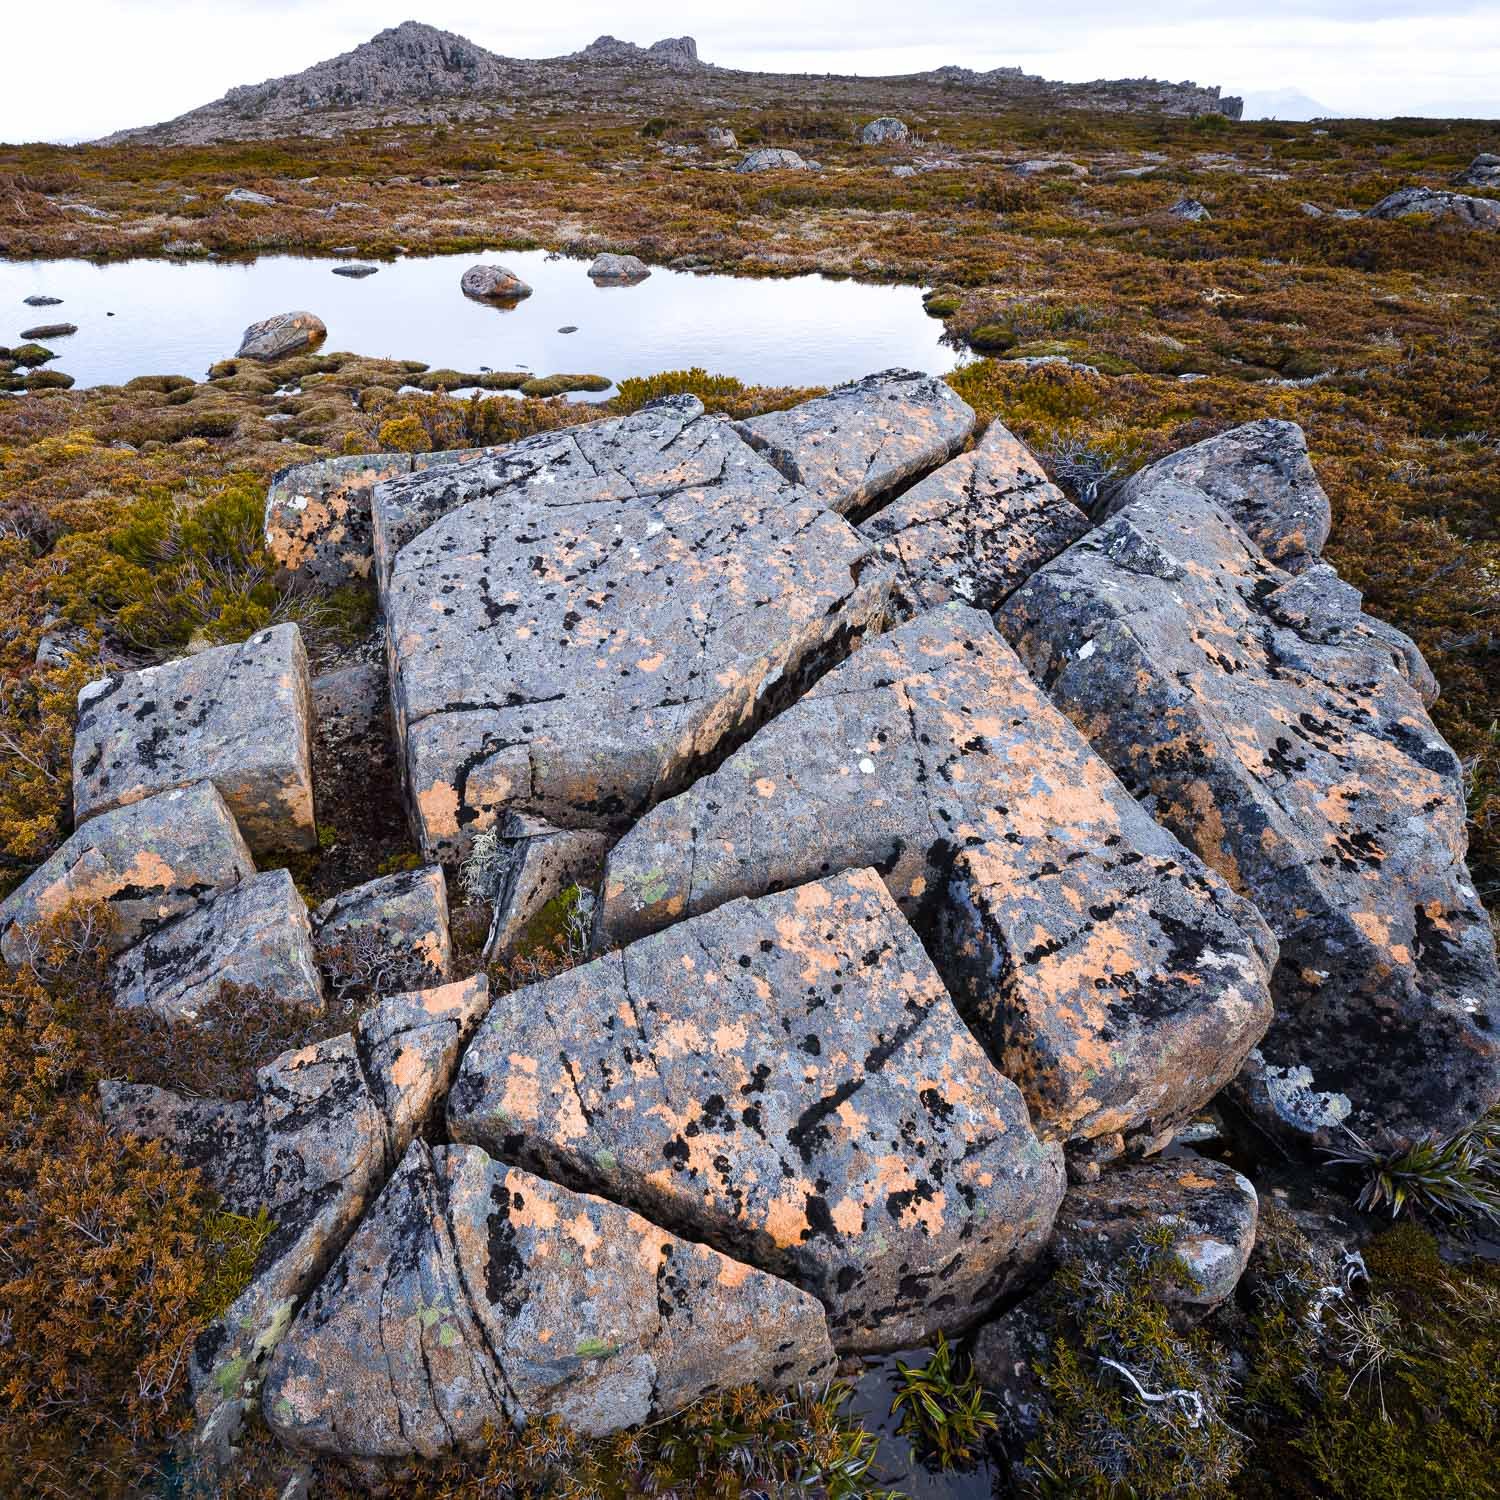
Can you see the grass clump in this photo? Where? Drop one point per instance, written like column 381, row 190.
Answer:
column 1454, row 1177
column 943, row 1410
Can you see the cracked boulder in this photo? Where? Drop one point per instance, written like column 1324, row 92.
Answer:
column 1294, row 756
column 1260, row 476
column 975, row 529
column 388, row 934
column 254, row 935
column 237, row 716
column 788, row 1080
column 574, row 643
column 862, row 440
column 474, row 1293
column 538, row 864
column 1117, row 980
column 149, row 861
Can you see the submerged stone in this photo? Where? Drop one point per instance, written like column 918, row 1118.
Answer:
column 286, row 333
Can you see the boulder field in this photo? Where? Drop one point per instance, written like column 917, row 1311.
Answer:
column 948, row 849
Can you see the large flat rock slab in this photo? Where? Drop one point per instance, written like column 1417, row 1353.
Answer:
column 1108, row 972
column 857, row 444
column 255, row 935
column 237, row 716
column 475, row 1293
column 975, row 529
column 788, row 1080
column 573, row 657
column 1297, row 759
column 149, row 861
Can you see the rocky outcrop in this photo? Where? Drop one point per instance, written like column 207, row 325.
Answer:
column 475, row 1293
column 1191, row 210
column 1112, row 976
column 618, row 270
column 237, row 716
column 248, row 195
column 1460, row 208
column 774, row 159
column 276, row 337
column 677, row 52
column 857, row 444
column 1260, row 476
column 745, row 1077
column 149, row 862
column 885, row 131
column 1299, row 762
column 974, row 529
column 493, row 284
column 388, row 934
column 1482, row 172
column 615, row 603
column 721, row 138
column 255, row 935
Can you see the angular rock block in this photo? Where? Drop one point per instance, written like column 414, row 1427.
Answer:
column 540, row 863
column 1300, row 764
column 788, row 1080
column 149, row 861
column 1260, row 476
column 475, row 1293
column 237, row 716
column 572, row 657
column 862, row 440
column 310, row 1149
column 387, row 935
column 1112, row 976
column 975, row 529
column 255, row 934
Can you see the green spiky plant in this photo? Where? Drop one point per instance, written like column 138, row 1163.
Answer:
column 1454, row 1177
column 942, row 1408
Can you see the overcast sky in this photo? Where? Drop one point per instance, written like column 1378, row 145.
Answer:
column 79, row 68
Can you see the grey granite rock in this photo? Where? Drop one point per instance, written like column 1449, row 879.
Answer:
column 855, row 445
column 1112, row 976
column 493, row 284
column 475, row 1293
column 283, row 334
column 885, row 131
column 974, row 529
column 386, row 935
column 237, row 716
column 149, row 861
column 538, row 863
column 1300, row 763
column 618, row 270
column 1462, row 209
column 1482, row 172
column 248, row 195
column 773, row 159
column 255, row 935
column 786, row 1079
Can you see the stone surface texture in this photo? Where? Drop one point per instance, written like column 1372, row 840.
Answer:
column 1110, row 974
column 855, row 445
column 149, row 861
column 238, row 716
column 786, row 1079
column 974, row 529
column 475, row 1293
column 389, row 934
column 276, row 337
column 1301, row 765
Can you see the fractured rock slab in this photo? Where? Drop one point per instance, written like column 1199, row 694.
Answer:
column 1301, row 764
column 388, row 934
column 786, row 1079
column 975, row 529
column 1118, row 981
column 254, row 935
column 540, row 863
column 149, row 861
column 237, row 716
column 1260, row 476
column 475, row 1293
column 855, row 445
column 574, row 643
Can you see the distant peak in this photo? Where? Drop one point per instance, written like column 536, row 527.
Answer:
column 675, row 51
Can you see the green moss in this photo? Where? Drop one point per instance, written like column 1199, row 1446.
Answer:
column 993, row 338
column 558, row 385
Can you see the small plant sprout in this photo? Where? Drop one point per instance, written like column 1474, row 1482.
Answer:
column 943, row 1411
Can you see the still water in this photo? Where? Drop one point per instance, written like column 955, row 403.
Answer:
column 157, row 317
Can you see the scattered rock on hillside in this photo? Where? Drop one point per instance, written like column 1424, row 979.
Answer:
column 254, row 935
column 1301, row 764
column 1191, row 210
column 1049, row 166
column 774, row 159
column 1482, row 172
column 248, row 195
column 663, row 1075
column 390, row 934
column 149, row 861
column 615, row 601
column 721, row 138
column 493, row 284
column 1466, row 211
column 885, row 131
column 474, row 1293
column 1116, row 980
column 863, row 439
column 621, row 270
column 355, row 272
column 50, row 331
column 1259, row 474
column 276, row 337
column 234, row 715
column 976, row 528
